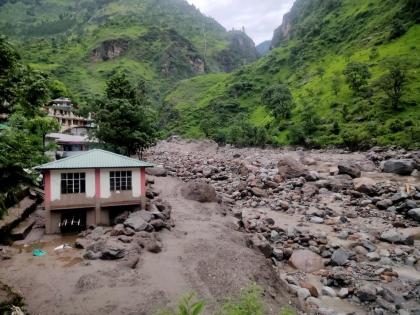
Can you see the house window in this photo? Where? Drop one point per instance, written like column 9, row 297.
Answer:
column 73, row 183
column 120, row 180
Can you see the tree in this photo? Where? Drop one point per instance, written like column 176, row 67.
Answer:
column 22, row 142
column 357, row 75
column 397, row 29
column 394, row 82
column 279, row 100
column 320, row 72
column 336, row 83
column 41, row 126
column 125, row 121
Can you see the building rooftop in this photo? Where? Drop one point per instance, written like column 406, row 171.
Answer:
column 66, row 138
column 95, row 159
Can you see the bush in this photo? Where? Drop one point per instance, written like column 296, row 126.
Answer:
column 249, row 302
column 395, row 125
column 279, row 100
column 187, row 306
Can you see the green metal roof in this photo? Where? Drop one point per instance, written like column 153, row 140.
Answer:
column 94, row 159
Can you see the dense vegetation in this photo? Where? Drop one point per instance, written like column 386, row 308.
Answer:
column 85, row 42
column 342, row 72
column 24, row 123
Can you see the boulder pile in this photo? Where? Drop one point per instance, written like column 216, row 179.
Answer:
column 335, row 224
column 132, row 233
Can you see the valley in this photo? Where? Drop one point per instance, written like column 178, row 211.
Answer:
column 153, row 162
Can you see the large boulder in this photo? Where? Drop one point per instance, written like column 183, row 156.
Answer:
column 138, row 221
column 258, row 241
column 395, row 236
column 365, row 185
column 401, row 167
column 415, row 214
column 113, row 250
column 340, row 257
column 350, row 169
column 366, row 293
column 157, row 171
column 199, row 190
column 306, row 260
column 288, row 168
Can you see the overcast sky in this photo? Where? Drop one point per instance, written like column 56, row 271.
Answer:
column 259, row 17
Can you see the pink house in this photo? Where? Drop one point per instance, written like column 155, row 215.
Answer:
column 91, row 188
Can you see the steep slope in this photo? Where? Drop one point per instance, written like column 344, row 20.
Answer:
column 83, row 42
column 311, row 50
column 264, row 48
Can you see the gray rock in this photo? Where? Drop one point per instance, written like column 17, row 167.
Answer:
column 157, row 171
column 414, row 214
column 328, row 291
column 365, row 185
column 258, row 241
column 340, row 257
column 312, row 176
column 366, row 293
column 113, row 250
column 306, row 260
column 343, row 293
column 317, row 220
column 82, row 243
column 278, row 254
column 314, row 302
column 91, row 255
column 394, row 236
column 373, row 256
column 97, row 233
column 289, row 168
column 118, row 230
column 200, row 191
column 259, row 192
column 303, row 294
column 137, row 222
column 274, row 236
column 368, row 245
column 384, row 204
column 350, row 169
column 401, row 167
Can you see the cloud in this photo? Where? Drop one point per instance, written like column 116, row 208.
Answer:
column 259, row 17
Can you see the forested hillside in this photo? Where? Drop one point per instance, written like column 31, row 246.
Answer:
column 341, row 72
column 84, row 42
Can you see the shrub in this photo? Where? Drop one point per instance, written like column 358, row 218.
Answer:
column 357, row 75
column 249, row 302
column 279, row 100
column 187, row 306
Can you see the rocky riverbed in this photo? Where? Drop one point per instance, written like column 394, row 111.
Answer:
column 341, row 229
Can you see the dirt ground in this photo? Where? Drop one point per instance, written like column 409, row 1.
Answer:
column 202, row 254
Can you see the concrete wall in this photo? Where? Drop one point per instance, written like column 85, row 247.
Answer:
column 98, row 194
column 136, row 191
column 56, row 183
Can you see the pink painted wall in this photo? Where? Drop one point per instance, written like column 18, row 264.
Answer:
column 143, row 181
column 47, row 188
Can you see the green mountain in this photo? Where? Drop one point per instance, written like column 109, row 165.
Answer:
column 83, row 42
column 351, row 67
